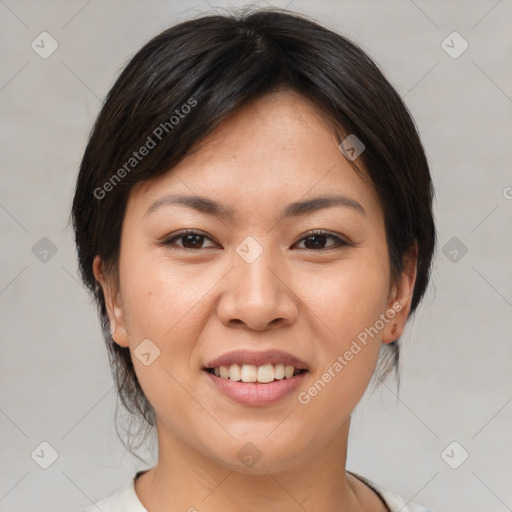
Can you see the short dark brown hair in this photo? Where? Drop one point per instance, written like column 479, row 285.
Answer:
column 214, row 65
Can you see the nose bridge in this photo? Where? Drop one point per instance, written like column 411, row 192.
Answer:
column 255, row 280
column 256, row 292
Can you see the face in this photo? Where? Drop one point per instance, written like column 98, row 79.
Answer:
column 311, row 281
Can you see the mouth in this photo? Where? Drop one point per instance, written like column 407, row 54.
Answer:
column 256, row 378
column 255, row 386
column 263, row 374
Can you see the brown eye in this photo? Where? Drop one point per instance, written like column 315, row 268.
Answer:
column 317, row 240
column 189, row 240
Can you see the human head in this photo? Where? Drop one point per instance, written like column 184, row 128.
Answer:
column 185, row 82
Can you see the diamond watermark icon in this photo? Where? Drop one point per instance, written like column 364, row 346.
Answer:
column 249, row 455
column 44, row 45
column 454, row 45
column 44, row 455
column 454, row 455
column 44, row 250
column 454, row 249
column 351, row 147
column 249, row 250
column 147, row 352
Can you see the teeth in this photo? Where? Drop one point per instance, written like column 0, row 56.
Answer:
column 249, row 373
column 288, row 371
column 235, row 372
column 265, row 373
column 253, row 373
column 279, row 371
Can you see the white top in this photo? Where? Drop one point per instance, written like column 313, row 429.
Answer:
column 126, row 499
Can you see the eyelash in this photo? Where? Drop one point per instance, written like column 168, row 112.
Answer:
column 316, row 232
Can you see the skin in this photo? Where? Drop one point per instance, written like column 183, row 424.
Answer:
column 311, row 300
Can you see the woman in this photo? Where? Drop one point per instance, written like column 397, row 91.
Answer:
column 253, row 215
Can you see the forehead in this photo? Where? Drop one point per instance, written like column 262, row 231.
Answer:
column 277, row 149
column 281, row 122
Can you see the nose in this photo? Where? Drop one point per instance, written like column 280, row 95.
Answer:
column 257, row 295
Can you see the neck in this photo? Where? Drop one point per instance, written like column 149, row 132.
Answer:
column 186, row 479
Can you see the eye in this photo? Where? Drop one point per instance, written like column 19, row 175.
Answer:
column 190, row 239
column 317, row 238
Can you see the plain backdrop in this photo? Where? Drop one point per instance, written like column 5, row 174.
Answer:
column 456, row 381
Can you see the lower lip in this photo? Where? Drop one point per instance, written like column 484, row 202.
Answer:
column 256, row 393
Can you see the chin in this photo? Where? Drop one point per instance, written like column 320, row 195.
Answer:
column 260, row 458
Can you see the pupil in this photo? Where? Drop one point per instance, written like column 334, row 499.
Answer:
column 194, row 240
column 189, row 237
column 316, row 237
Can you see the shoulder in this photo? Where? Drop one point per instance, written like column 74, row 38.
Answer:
column 394, row 502
column 123, row 500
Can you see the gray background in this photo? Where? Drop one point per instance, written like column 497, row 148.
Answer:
column 456, row 370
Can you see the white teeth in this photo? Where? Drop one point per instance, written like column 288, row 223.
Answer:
column 235, row 372
column 248, row 373
column 288, row 371
column 265, row 373
column 252, row 373
column 224, row 371
column 279, row 371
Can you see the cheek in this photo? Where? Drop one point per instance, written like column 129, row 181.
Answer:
column 350, row 298
column 350, row 308
column 158, row 297
column 160, row 304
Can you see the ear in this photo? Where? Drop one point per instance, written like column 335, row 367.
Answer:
column 112, row 302
column 400, row 298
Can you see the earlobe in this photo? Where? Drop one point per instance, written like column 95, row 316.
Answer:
column 112, row 303
column 113, row 326
column 400, row 299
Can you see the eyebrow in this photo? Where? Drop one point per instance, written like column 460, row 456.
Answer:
column 299, row 208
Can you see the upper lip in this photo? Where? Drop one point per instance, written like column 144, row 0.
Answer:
column 257, row 359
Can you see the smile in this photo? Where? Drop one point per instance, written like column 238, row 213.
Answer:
column 255, row 393
column 252, row 373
